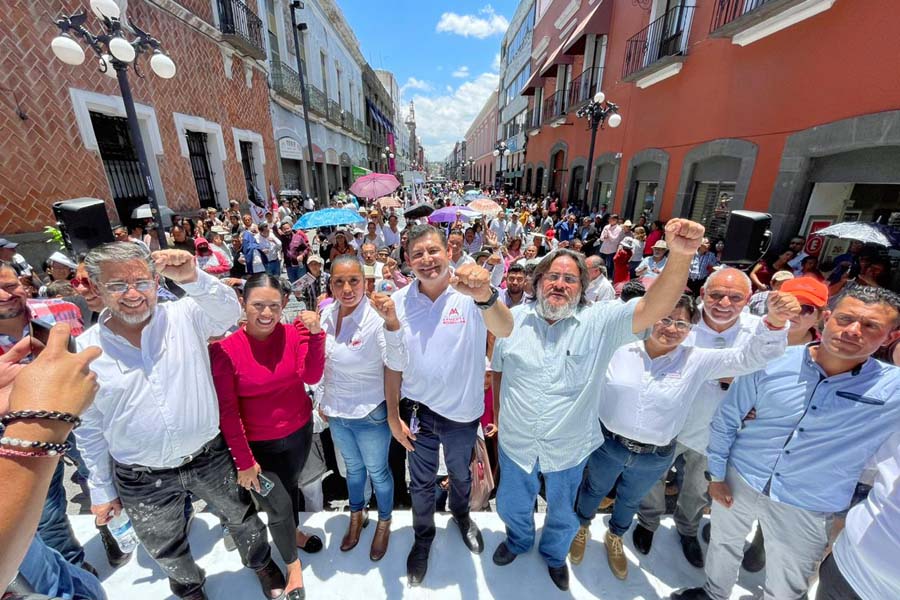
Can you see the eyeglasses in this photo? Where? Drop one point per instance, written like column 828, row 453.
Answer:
column 569, row 279
column 80, row 282
column 807, row 309
column 679, row 325
column 719, row 296
column 120, row 287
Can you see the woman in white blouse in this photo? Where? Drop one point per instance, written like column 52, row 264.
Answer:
column 362, row 336
column 648, row 389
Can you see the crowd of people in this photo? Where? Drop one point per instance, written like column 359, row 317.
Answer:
column 598, row 363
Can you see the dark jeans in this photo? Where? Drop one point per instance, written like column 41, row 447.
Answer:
column 54, row 527
column 155, row 503
column 458, row 440
column 282, row 461
column 636, row 474
column 610, row 266
column 832, row 585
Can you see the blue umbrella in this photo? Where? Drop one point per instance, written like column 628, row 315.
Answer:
column 328, row 217
column 473, row 193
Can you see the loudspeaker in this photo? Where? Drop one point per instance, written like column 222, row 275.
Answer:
column 748, row 237
column 84, row 224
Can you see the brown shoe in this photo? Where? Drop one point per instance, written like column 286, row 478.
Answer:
column 381, row 539
column 606, row 503
column 576, row 550
column 615, row 555
column 358, row 520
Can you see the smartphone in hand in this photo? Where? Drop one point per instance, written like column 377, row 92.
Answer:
column 39, row 330
column 266, row 485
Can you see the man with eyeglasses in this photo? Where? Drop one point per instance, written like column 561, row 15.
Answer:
column 547, row 379
column 822, row 412
column 151, row 437
column 723, row 324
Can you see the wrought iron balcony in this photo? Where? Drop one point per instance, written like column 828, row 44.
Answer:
column 241, row 27
column 662, row 42
column 318, row 103
column 556, row 105
column 335, row 112
column 286, row 82
column 746, row 21
column 583, row 87
column 533, row 119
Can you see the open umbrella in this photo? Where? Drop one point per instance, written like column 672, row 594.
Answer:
column 485, row 206
column 868, row 233
column 375, row 185
column 475, row 192
column 143, row 212
column 389, row 202
column 448, row 214
column 327, row 217
column 422, row 209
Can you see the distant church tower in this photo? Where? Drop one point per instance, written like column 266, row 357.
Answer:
column 411, row 125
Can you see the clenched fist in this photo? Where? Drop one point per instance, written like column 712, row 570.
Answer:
column 683, row 236
column 384, row 306
column 178, row 265
column 782, row 308
column 473, row 281
column 310, row 320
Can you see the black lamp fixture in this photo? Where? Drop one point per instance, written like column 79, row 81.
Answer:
column 116, row 53
column 598, row 111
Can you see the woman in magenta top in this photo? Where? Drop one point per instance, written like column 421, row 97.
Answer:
column 265, row 413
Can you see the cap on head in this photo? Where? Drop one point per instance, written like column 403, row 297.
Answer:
column 661, row 245
column 808, row 290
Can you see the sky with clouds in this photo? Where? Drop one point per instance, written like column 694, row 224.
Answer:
column 446, row 57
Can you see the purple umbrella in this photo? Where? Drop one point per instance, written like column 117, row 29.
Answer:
column 448, row 214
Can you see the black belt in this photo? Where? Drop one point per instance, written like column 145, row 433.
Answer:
column 633, row 445
column 184, row 461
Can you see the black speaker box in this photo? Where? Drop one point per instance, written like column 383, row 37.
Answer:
column 748, row 236
column 84, row 224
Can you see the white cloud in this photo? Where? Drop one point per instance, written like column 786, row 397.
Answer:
column 415, row 84
column 496, row 64
column 442, row 119
column 462, row 72
column 484, row 26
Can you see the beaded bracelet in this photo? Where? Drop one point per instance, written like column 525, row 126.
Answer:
column 16, row 453
column 53, row 415
column 49, row 447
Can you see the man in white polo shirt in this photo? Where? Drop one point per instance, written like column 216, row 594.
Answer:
column 446, row 315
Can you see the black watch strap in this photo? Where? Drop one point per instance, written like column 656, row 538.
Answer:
column 495, row 293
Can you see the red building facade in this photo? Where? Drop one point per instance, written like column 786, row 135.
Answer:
column 778, row 106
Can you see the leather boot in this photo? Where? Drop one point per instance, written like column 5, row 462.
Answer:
column 358, row 520
column 381, row 539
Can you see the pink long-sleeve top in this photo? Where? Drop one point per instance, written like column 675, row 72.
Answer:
column 260, row 385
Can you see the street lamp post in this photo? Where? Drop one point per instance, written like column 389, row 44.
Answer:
column 385, row 155
column 471, row 164
column 304, row 94
column 598, row 111
column 501, row 150
column 116, row 52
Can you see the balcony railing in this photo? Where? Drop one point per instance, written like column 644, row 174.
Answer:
column 286, row 82
column 583, row 87
column 726, row 11
column 664, row 37
column 335, row 112
column 556, row 105
column 318, row 103
column 241, row 27
column 533, row 119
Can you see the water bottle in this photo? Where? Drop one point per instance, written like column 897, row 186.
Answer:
column 122, row 530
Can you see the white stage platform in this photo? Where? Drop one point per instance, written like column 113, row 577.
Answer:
column 453, row 572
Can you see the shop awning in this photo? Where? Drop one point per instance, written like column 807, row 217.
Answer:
column 534, row 82
column 557, row 58
column 596, row 22
column 358, row 171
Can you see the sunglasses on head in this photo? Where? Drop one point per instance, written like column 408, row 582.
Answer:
column 79, row 281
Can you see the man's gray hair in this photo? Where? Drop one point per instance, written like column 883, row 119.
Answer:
column 595, row 262
column 547, row 261
column 115, row 252
column 726, row 270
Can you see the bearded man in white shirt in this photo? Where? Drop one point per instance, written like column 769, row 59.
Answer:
column 151, row 437
column 445, row 316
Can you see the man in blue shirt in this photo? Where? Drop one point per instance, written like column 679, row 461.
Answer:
column 567, row 230
column 822, row 411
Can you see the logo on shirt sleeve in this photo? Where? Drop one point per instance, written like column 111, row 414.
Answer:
column 453, row 317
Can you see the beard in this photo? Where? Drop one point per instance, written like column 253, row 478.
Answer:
column 554, row 313
column 132, row 318
column 12, row 313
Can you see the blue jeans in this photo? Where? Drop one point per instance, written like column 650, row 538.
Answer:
column 295, row 273
column 50, row 574
column 54, row 527
column 364, row 446
column 515, row 505
column 458, row 440
column 75, row 455
column 273, row 268
column 639, row 472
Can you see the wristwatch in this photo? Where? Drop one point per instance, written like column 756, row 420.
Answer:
column 712, row 479
column 495, row 293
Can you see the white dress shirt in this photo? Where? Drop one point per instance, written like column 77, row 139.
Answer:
column 499, row 226
column 515, row 229
column 157, row 403
column 647, row 399
column 353, row 383
column 446, row 341
column 551, row 381
column 390, row 237
column 600, row 289
column 464, row 259
column 866, row 551
column 695, row 433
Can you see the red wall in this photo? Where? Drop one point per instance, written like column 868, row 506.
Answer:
column 841, row 63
